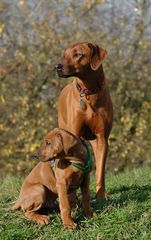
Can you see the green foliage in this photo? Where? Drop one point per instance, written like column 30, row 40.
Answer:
column 126, row 215
column 33, row 36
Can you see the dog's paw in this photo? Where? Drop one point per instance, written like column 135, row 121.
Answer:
column 90, row 214
column 94, row 214
column 70, row 226
column 102, row 195
column 43, row 220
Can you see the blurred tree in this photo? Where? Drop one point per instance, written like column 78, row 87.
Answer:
column 33, row 35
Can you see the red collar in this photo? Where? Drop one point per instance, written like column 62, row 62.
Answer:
column 85, row 91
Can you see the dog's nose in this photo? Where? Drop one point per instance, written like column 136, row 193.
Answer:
column 58, row 66
column 36, row 155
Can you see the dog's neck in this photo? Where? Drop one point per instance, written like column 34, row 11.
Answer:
column 77, row 156
column 92, row 84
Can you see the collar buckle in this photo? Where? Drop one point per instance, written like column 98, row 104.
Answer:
column 84, row 92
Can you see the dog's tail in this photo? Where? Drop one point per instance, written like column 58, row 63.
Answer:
column 16, row 206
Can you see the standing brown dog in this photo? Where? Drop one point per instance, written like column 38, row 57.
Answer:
column 85, row 106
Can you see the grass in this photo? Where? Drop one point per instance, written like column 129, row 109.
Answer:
column 126, row 215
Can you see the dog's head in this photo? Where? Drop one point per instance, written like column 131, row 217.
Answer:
column 80, row 57
column 56, row 144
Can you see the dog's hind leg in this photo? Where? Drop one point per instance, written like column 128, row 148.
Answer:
column 34, row 200
column 40, row 219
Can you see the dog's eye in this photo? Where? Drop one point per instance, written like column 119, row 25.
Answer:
column 78, row 55
column 48, row 143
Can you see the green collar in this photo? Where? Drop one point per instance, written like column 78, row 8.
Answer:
column 88, row 165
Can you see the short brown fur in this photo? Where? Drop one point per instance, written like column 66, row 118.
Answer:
column 43, row 185
column 88, row 116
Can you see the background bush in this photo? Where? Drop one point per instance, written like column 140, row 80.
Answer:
column 33, row 37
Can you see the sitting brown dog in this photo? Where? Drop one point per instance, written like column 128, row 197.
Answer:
column 47, row 181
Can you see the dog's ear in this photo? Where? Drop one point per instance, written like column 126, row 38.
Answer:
column 97, row 56
column 67, row 139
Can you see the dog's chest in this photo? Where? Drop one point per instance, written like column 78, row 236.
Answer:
column 75, row 180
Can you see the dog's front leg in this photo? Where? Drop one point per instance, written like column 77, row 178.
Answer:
column 100, row 147
column 86, row 197
column 64, row 205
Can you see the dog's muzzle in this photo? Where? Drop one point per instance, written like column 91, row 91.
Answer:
column 35, row 155
column 58, row 67
column 60, row 71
